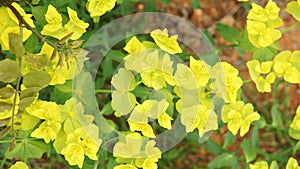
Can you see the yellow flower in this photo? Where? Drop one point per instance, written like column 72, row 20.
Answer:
column 4, row 38
column 145, row 128
column 239, row 116
column 293, row 8
column 99, row 7
column 287, row 64
column 294, row 130
column 200, row 71
column 134, row 45
column 19, row 165
column 166, row 43
column 257, row 13
column 47, row 130
column 292, row 164
column 45, row 110
column 164, row 120
column 75, row 25
column 199, row 117
column 130, row 148
column 26, row 17
column 261, row 74
column 123, row 103
column 259, row 165
column 260, row 35
column 125, row 166
column 74, row 154
column 154, row 78
column 123, row 81
column 54, row 27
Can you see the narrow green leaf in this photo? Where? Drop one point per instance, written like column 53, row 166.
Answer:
column 229, row 139
column 115, row 55
column 249, row 152
column 276, row 116
column 213, row 147
column 5, row 131
column 166, row 2
column 9, row 71
column 296, row 147
column 36, row 79
column 229, row 33
column 35, row 2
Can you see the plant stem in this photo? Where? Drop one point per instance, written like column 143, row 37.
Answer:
column 290, row 27
column 20, row 18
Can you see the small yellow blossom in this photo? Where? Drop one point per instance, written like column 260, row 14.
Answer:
column 74, row 154
column 260, row 165
column 261, row 74
column 75, row 25
column 293, row 8
column 292, row 164
column 98, row 8
column 166, row 43
column 294, row 130
column 19, row 165
column 239, row 116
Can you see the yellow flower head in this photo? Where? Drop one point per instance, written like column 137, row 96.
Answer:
column 75, row 25
column 125, row 166
column 166, row 43
column 45, row 110
column 199, row 69
column 98, row 8
column 293, row 8
column 287, row 64
column 74, row 154
column 19, row 165
column 54, row 27
column 47, row 130
column 260, row 165
column 261, row 74
column 294, row 130
column 239, row 116
column 292, row 164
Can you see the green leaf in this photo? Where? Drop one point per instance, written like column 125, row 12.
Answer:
column 254, row 137
column 222, row 161
column 38, row 13
column 16, row 45
column 229, row 139
column 244, row 42
column 264, row 54
column 196, row 4
column 27, row 147
column 115, row 55
column 62, row 92
column 166, row 2
column 229, row 33
column 31, row 44
column 35, row 2
column 276, row 116
column 249, row 152
column 9, row 71
column 107, row 109
column 296, row 147
column 293, row 9
column 4, row 132
column 107, row 67
column 274, row 165
column 36, row 79
column 6, row 92
column 213, row 147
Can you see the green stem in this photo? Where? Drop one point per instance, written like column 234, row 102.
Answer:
column 247, row 81
column 103, row 91
column 290, row 27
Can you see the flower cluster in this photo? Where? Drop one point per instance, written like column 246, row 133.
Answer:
column 261, row 74
column 132, row 152
column 62, row 125
column 54, row 27
column 239, row 116
column 287, row 65
column 262, row 24
column 10, row 24
column 291, row 164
